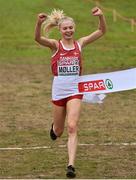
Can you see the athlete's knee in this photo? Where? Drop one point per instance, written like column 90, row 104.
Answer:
column 72, row 127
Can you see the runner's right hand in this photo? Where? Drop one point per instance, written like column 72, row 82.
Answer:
column 42, row 17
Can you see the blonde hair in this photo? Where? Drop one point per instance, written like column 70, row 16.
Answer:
column 55, row 19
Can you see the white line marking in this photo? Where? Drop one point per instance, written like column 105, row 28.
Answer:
column 63, row 146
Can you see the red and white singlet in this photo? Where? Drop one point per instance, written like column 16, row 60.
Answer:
column 66, row 68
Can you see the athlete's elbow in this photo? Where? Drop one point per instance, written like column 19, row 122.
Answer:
column 102, row 31
column 36, row 38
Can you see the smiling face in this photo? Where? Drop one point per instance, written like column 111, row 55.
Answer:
column 67, row 29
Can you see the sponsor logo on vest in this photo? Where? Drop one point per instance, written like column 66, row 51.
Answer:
column 63, row 54
column 97, row 85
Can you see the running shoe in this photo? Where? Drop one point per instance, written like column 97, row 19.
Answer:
column 70, row 172
column 52, row 134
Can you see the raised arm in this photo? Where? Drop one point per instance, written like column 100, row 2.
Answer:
column 99, row 32
column 51, row 43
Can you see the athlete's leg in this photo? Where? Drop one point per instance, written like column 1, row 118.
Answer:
column 59, row 114
column 73, row 113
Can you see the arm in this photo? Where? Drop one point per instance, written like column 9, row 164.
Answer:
column 51, row 43
column 96, row 34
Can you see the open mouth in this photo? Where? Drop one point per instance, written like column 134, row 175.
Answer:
column 68, row 34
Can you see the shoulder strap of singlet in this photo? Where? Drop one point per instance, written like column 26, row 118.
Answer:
column 77, row 45
column 60, row 45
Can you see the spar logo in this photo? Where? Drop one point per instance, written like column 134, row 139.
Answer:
column 109, row 84
column 97, row 85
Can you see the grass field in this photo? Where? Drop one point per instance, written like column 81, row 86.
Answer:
column 25, row 93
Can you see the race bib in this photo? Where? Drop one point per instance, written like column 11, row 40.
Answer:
column 68, row 66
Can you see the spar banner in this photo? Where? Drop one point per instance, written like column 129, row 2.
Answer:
column 108, row 82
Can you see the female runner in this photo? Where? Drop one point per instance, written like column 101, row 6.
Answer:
column 66, row 68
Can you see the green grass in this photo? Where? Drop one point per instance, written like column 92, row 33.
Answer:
column 25, row 92
column 18, row 17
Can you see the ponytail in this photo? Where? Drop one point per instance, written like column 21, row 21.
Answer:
column 54, row 20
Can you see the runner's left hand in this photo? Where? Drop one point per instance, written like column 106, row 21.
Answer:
column 97, row 11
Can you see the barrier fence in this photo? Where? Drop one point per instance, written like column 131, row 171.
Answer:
column 117, row 15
